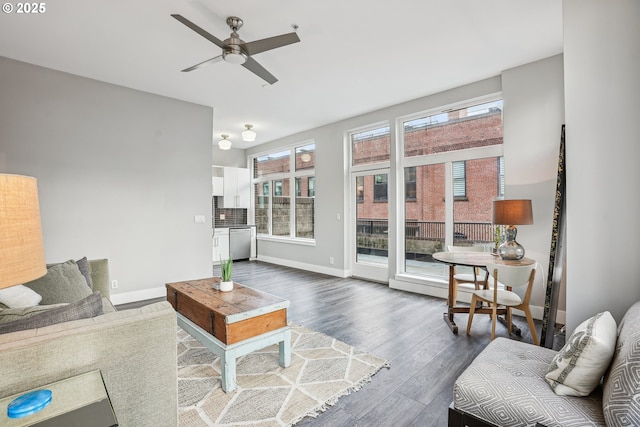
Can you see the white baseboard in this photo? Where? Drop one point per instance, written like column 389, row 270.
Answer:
column 135, row 296
column 304, row 266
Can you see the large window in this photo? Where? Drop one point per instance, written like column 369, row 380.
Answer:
column 277, row 178
column 453, row 161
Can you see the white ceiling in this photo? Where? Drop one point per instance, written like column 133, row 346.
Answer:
column 355, row 56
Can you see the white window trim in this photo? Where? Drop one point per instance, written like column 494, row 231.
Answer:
column 291, row 176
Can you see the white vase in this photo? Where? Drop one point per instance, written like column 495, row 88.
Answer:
column 226, row 286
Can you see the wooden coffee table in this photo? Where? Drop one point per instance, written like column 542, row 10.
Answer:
column 231, row 324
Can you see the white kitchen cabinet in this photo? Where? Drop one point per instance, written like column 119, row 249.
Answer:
column 220, row 244
column 218, row 186
column 237, row 188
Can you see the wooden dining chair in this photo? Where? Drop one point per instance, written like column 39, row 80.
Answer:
column 466, row 279
column 511, row 277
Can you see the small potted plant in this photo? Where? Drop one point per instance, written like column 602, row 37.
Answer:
column 226, row 284
column 497, row 238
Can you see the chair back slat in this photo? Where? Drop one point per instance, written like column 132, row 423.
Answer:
column 509, row 275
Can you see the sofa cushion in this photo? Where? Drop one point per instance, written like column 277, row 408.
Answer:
column 579, row 366
column 12, row 314
column 505, row 386
column 90, row 306
column 62, row 283
column 620, row 399
column 19, row 296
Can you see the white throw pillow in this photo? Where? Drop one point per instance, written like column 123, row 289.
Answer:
column 19, row 296
column 578, row 368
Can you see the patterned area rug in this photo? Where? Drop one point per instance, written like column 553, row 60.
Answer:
column 322, row 369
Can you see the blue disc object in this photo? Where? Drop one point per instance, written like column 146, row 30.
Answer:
column 29, row 403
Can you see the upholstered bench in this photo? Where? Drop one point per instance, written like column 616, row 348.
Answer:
column 505, row 386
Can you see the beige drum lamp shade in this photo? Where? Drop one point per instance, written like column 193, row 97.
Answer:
column 21, row 247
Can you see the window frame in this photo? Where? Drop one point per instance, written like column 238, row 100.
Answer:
column 407, row 182
column 380, row 185
column 292, row 176
column 461, row 178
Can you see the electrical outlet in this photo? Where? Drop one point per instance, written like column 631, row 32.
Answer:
column 199, row 219
column 331, row 260
column 114, row 284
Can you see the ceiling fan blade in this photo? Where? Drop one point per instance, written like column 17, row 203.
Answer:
column 203, row 63
column 259, row 70
column 269, row 43
column 213, row 39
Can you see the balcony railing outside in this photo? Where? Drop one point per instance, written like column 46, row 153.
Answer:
column 374, row 233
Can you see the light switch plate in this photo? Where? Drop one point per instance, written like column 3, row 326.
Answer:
column 198, row 219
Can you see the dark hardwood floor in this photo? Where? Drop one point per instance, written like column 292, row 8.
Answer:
column 405, row 328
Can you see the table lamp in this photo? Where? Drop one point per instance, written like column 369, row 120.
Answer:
column 512, row 213
column 21, row 258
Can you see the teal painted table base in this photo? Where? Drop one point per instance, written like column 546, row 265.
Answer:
column 229, row 353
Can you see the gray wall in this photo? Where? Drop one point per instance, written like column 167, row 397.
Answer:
column 601, row 66
column 121, row 174
column 533, row 116
column 234, row 157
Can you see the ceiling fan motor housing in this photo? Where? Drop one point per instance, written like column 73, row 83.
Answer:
column 233, row 53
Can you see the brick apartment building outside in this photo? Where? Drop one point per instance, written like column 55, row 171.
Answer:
column 425, row 185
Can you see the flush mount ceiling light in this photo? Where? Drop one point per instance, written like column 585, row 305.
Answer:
column 306, row 157
column 248, row 135
column 224, row 143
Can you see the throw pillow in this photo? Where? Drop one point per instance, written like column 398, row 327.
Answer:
column 620, row 403
column 579, row 366
column 62, row 283
column 19, row 296
column 85, row 269
column 90, row 306
column 13, row 314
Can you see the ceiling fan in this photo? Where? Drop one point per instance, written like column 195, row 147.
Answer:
column 237, row 51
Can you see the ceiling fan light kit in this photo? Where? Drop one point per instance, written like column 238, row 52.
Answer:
column 248, row 135
column 237, row 51
column 235, row 58
column 224, row 143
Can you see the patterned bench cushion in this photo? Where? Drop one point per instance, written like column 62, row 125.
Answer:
column 505, row 386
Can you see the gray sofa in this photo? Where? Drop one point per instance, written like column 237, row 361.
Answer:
column 505, row 386
column 135, row 350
